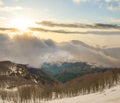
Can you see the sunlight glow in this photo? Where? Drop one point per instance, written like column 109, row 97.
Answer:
column 22, row 23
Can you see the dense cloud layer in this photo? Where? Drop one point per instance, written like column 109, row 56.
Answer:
column 28, row 49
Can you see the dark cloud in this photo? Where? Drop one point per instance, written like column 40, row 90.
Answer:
column 53, row 24
column 63, row 31
column 3, row 38
column 107, row 26
column 78, row 25
column 98, row 28
column 33, row 51
column 76, row 32
column 8, row 29
column 56, row 31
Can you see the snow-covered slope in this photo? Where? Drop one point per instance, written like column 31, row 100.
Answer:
column 108, row 96
column 111, row 95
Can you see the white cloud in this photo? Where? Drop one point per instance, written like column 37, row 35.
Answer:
column 112, row 0
column 113, row 8
column 33, row 51
column 10, row 8
column 5, row 8
column 107, row 3
column 115, row 20
column 79, row 1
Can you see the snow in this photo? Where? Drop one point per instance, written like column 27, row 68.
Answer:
column 111, row 95
column 108, row 96
column 11, row 90
column 13, row 69
column 5, row 101
column 6, row 88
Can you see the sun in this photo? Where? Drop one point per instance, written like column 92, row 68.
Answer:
column 22, row 23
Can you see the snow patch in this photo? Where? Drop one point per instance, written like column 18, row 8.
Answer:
column 13, row 69
column 108, row 96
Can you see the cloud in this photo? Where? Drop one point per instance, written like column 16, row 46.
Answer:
column 73, row 28
column 80, row 1
column 56, row 31
column 28, row 49
column 14, row 30
column 112, row 1
column 10, row 8
column 79, row 25
column 5, row 8
column 77, row 1
column 76, row 32
column 9, row 29
column 37, row 51
column 112, row 5
column 115, row 20
column 113, row 8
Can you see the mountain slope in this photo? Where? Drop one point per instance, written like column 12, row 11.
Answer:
column 18, row 74
column 20, row 83
column 67, row 71
column 94, row 82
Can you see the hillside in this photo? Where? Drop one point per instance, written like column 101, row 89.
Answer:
column 111, row 95
column 93, row 82
column 24, row 74
column 20, row 83
column 67, row 71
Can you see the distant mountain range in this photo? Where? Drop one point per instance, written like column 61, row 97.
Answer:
column 65, row 72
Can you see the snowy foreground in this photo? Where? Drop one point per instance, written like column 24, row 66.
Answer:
column 111, row 95
column 108, row 96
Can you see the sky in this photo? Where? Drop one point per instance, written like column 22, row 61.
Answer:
column 57, row 25
column 69, row 12
column 92, row 11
